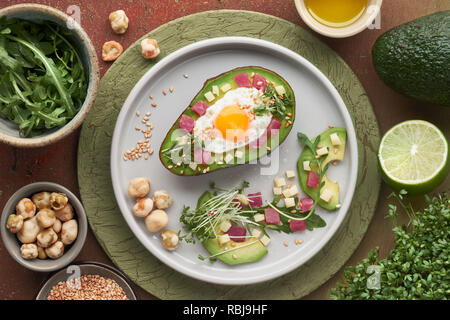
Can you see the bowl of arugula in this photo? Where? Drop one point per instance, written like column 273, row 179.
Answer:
column 49, row 75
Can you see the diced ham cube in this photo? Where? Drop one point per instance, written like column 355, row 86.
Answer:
column 313, row 180
column 186, row 123
column 255, row 199
column 307, row 204
column 271, row 216
column 201, row 156
column 257, row 143
column 242, row 80
column 200, row 107
column 259, row 82
column 274, row 127
column 237, row 233
column 296, row 225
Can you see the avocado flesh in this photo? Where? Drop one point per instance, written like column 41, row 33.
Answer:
column 334, row 153
column 250, row 252
column 251, row 154
column 414, row 58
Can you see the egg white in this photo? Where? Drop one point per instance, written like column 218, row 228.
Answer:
column 241, row 96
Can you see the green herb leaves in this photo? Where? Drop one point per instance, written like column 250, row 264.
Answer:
column 43, row 83
column 273, row 103
column 417, row 267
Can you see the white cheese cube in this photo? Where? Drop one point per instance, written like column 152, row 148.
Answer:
column 277, row 191
column 326, row 195
column 218, row 157
column 259, row 217
column 289, row 202
column 256, row 232
column 193, row 165
column 293, row 191
column 265, row 240
column 280, row 90
column 209, row 96
column 290, row 174
column 322, row 151
column 215, row 90
column 239, row 154
column 335, row 139
column 306, row 166
column 279, row 182
column 223, row 238
column 225, row 87
column 225, row 226
column 229, row 158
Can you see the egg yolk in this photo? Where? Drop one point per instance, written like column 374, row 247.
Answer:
column 232, row 122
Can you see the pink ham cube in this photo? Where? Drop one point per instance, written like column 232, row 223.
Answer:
column 242, row 80
column 237, row 233
column 201, row 156
column 200, row 107
column 186, row 123
column 257, row 143
column 307, row 204
column 271, row 216
column 296, row 225
column 274, row 127
column 255, row 199
column 313, row 180
column 259, row 82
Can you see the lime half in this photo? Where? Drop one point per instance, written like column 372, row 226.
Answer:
column 414, row 155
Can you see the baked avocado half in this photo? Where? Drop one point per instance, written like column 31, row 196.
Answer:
column 335, row 152
column 244, row 114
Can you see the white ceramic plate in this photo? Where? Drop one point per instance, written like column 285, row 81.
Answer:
column 318, row 105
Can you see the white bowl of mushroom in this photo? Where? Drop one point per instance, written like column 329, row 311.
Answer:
column 43, row 226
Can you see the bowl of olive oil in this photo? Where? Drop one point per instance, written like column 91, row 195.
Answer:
column 338, row 18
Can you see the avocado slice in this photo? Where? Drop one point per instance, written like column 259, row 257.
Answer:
column 414, row 58
column 248, row 251
column 334, row 153
column 184, row 166
column 252, row 250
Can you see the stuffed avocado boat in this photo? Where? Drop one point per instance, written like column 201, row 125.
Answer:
column 238, row 116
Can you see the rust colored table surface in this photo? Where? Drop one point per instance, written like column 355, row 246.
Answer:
column 57, row 162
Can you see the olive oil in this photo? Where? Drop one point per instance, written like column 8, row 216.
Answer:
column 336, row 13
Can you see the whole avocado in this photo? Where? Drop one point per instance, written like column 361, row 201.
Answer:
column 414, row 58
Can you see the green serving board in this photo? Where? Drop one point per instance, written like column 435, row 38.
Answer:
column 96, row 189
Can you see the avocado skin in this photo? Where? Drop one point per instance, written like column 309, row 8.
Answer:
column 414, row 58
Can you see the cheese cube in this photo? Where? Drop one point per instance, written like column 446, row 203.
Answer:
column 290, row 174
column 239, row 154
column 193, row 165
column 215, row 90
column 229, row 158
column 223, row 238
column 225, row 225
column 209, row 96
column 218, row 157
column 259, row 217
column 326, row 195
column 279, row 182
column 290, row 192
column 280, row 90
column 289, row 202
column 335, row 139
column 225, row 87
column 277, row 191
column 306, row 166
column 265, row 240
column 256, row 232
column 322, row 151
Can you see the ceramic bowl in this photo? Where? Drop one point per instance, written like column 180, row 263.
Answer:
column 87, row 268
column 362, row 23
column 12, row 244
column 9, row 132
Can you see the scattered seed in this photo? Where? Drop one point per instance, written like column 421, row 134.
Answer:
column 148, row 114
column 170, row 166
column 285, row 243
column 151, row 151
column 137, row 128
column 186, row 76
column 334, row 163
column 154, row 104
column 151, row 97
column 338, row 205
column 164, row 92
column 330, row 126
column 293, row 211
column 138, row 113
column 182, row 172
column 171, row 89
column 234, row 256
